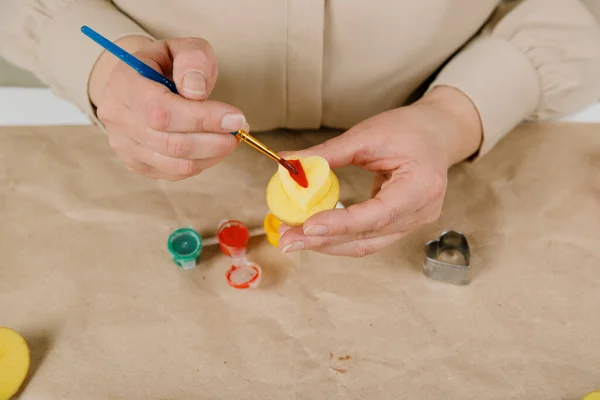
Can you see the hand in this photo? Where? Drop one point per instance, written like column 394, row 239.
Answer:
column 410, row 150
column 154, row 131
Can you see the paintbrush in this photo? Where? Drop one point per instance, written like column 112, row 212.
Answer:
column 150, row 73
column 258, row 145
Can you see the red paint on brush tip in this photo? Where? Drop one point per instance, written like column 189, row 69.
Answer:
column 300, row 177
column 286, row 164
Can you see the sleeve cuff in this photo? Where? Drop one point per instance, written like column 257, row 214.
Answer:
column 69, row 56
column 501, row 82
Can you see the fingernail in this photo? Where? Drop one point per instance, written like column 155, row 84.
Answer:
column 283, row 229
column 233, row 122
column 295, row 246
column 316, row 230
column 194, row 82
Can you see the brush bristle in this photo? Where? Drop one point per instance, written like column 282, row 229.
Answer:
column 286, row 164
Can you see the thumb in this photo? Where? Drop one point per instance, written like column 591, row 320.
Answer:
column 195, row 68
column 338, row 151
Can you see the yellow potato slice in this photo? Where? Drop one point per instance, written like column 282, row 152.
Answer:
column 293, row 206
column 14, row 362
column 319, row 182
column 592, row 396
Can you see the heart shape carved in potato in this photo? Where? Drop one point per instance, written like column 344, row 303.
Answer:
column 293, row 204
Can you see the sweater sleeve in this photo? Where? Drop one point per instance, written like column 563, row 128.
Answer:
column 533, row 60
column 44, row 37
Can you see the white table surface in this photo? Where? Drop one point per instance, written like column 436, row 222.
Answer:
column 39, row 106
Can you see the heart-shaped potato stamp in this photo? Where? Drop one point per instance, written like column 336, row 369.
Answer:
column 292, row 203
column 318, row 176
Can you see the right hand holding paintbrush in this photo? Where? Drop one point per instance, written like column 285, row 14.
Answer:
column 155, row 132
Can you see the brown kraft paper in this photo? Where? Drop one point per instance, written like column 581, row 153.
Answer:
column 86, row 278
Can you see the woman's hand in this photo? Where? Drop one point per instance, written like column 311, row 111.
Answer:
column 153, row 131
column 410, row 149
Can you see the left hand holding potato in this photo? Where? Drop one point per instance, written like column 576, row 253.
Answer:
column 410, row 150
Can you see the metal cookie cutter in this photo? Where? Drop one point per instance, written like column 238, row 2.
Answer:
column 448, row 258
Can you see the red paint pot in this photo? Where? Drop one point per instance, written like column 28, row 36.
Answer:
column 233, row 238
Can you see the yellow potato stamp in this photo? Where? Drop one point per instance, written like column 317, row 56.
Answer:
column 292, row 203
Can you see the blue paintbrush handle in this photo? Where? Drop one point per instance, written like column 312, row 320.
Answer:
column 144, row 69
column 129, row 59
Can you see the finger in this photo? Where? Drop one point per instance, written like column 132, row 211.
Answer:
column 155, row 106
column 399, row 197
column 410, row 223
column 114, row 112
column 364, row 247
column 122, row 143
column 170, row 166
column 157, row 175
column 195, row 67
column 293, row 239
column 283, row 228
column 378, row 181
column 137, row 167
column 149, row 172
column 157, row 55
column 141, row 159
column 191, row 146
column 125, row 148
column 338, row 151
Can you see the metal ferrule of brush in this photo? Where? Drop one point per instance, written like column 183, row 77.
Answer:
column 252, row 141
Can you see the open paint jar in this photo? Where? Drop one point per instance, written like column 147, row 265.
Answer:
column 185, row 246
column 244, row 274
column 233, row 237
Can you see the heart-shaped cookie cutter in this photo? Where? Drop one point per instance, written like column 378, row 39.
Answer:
column 448, row 258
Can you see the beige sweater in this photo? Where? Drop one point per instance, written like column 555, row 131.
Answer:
column 304, row 64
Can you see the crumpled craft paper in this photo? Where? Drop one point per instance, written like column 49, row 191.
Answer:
column 86, row 278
